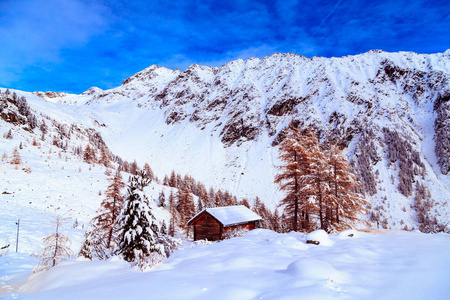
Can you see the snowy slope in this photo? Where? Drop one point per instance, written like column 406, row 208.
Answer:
column 387, row 265
column 50, row 178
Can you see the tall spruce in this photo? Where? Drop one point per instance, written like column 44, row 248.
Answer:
column 139, row 232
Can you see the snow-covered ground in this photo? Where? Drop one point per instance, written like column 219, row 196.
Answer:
column 260, row 265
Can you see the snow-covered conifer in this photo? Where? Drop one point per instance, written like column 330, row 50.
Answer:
column 139, row 232
column 162, row 199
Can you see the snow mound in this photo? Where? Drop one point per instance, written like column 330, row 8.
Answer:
column 311, row 268
column 319, row 237
column 290, row 242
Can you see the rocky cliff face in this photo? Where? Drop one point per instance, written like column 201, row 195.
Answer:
column 389, row 110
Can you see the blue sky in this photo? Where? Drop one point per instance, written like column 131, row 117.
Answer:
column 71, row 45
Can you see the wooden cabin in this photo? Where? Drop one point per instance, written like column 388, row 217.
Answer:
column 211, row 223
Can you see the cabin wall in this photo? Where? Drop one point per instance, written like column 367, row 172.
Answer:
column 207, row 228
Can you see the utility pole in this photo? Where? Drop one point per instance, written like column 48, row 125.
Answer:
column 17, row 239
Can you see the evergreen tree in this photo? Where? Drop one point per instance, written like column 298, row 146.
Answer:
column 139, row 232
column 163, row 228
column 162, row 199
column 110, row 208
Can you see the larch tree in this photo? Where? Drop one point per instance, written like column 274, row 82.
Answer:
column 148, row 171
column 57, row 249
column 134, row 168
column 173, row 214
column 173, row 179
column 104, row 158
column 110, row 209
column 139, row 231
column 16, row 159
column 295, row 177
column 186, row 207
column 319, row 174
column 89, row 155
column 344, row 203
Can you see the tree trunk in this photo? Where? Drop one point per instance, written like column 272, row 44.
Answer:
column 295, row 198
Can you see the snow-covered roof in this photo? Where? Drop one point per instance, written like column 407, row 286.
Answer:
column 230, row 215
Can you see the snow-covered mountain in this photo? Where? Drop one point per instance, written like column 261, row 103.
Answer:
column 222, row 125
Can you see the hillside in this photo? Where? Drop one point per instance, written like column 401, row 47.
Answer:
column 222, row 125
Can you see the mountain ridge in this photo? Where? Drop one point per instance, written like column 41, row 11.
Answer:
column 232, row 118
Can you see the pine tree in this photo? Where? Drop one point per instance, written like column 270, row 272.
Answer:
column 139, row 232
column 109, row 210
column 58, row 248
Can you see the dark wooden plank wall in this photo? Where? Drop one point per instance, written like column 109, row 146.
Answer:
column 206, row 227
